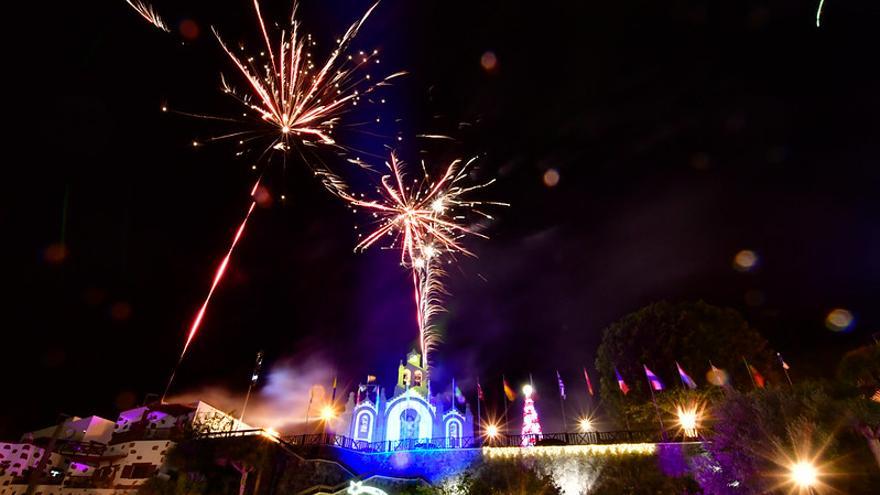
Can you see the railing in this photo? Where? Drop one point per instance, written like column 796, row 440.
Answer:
column 412, row 444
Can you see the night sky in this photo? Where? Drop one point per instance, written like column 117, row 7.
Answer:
column 682, row 133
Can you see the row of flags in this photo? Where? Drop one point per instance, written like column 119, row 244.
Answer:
column 654, row 381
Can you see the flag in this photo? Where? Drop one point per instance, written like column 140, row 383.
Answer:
column 620, row 383
column 782, row 362
column 716, row 376
column 685, row 378
column 656, row 384
column 511, row 395
column 371, row 378
column 333, row 396
column 589, row 383
column 456, row 392
column 757, row 377
column 480, row 391
column 257, row 366
column 561, row 385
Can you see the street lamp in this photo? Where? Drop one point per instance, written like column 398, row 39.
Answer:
column 586, row 425
column 687, row 421
column 327, row 413
column 492, row 431
column 805, row 475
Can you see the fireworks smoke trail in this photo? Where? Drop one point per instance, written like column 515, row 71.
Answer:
column 422, row 218
column 147, row 12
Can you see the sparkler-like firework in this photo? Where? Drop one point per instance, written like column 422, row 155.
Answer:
column 147, row 12
column 290, row 104
column 424, row 218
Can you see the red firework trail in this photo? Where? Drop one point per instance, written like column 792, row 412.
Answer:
column 221, row 270
column 218, row 276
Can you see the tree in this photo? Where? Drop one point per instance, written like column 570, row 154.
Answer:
column 638, row 474
column 505, row 477
column 692, row 334
column 861, row 368
column 758, row 436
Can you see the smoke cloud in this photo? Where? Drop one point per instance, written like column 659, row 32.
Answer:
column 280, row 400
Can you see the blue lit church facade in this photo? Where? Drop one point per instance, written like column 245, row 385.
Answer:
column 412, row 417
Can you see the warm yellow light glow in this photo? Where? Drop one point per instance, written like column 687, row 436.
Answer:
column 528, row 390
column 285, row 129
column 570, row 450
column 328, row 413
column 687, row 421
column 586, row 424
column 492, row 431
column 804, row 474
column 271, row 434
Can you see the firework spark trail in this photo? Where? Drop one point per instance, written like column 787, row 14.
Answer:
column 819, row 13
column 218, row 276
column 147, row 12
column 421, row 218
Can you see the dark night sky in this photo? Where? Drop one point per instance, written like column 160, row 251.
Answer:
column 682, row 131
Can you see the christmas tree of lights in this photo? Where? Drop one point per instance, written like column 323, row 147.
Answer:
column 531, row 428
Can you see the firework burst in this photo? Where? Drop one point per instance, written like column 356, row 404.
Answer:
column 290, row 103
column 424, row 220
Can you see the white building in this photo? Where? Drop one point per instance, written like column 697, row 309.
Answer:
column 95, row 456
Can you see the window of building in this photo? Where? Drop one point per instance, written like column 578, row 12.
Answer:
column 126, row 471
column 155, row 447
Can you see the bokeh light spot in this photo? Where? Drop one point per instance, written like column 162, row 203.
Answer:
column 839, row 320
column 189, row 29
column 551, row 177
column 120, row 311
column 55, row 254
column 489, row 61
column 745, row 260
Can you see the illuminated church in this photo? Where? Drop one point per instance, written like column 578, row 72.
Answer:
column 412, row 416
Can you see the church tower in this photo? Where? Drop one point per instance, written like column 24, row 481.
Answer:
column 411, row 375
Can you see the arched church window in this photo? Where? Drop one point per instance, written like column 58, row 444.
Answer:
column 418, row 379
column 407, row 376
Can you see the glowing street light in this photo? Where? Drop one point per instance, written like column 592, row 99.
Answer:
column 586, row 425
column 687, row 421
column 492, row 431
column 805, row 475
column 328, row 413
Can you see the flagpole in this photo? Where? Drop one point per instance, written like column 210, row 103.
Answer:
column 504, row 393
column 656, row 407
column 562, row 404
column 479, row 415
column 749, row 371
column 785, row 369
column 254, row 377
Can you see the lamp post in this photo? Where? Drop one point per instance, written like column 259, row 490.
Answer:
column 805, row 476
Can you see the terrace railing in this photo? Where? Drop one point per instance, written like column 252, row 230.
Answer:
column 412, row 444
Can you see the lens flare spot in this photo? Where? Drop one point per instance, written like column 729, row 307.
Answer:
column 489, row 61
column 189, row 29
column 745, row 260
column 839, row 320
column 551, row 177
